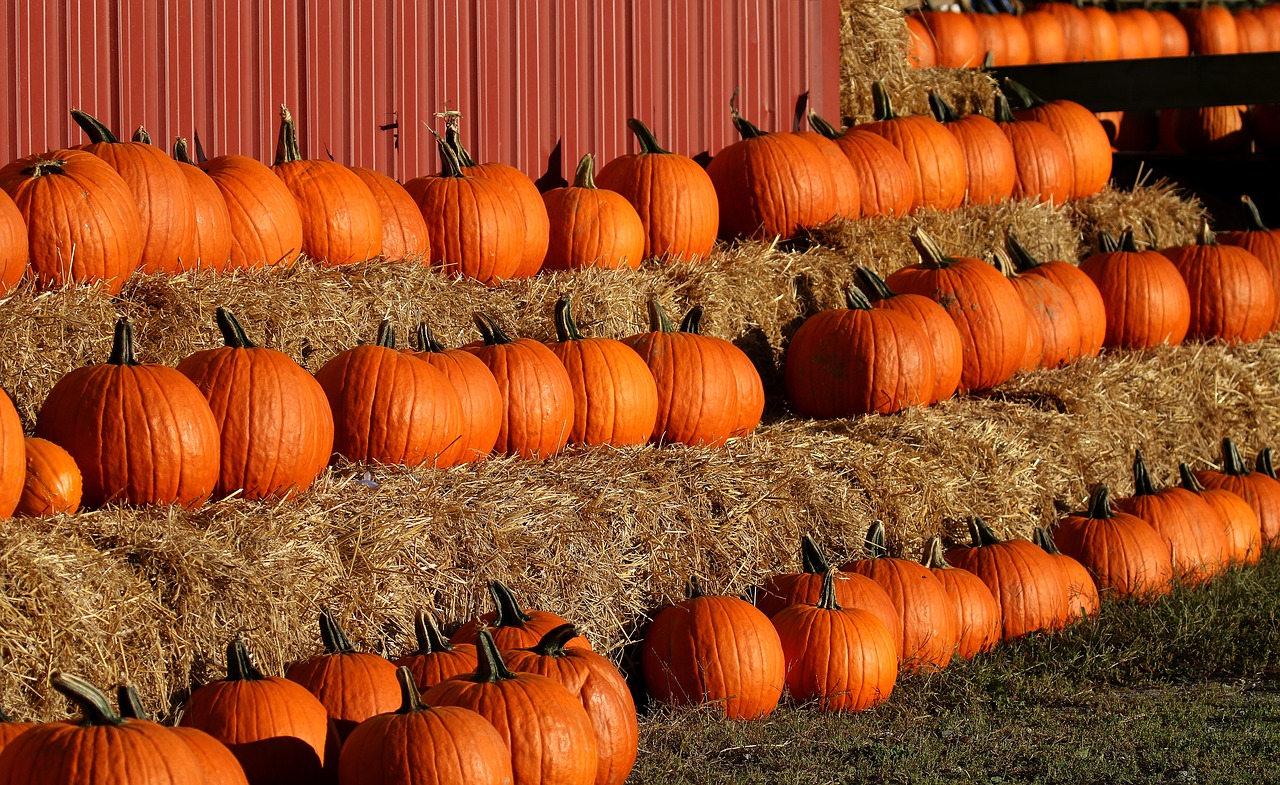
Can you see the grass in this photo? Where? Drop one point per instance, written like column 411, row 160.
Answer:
column 1186, row 689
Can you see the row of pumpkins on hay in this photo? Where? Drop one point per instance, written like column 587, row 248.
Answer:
column 97, row 213
column 518, row 696
column 250, row 421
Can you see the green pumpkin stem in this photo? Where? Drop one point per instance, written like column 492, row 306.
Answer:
column 658, row 320
column 882, row 106
column 1003, row 113
column 88, row 698
column 942, row 111
column 1128, row 242
column 933, row 557
column 692, row 321
column 334, row 637
column 855, row 300
column 552, row 644
column 1100, row 504
column 490, row 331
column 427, row 340
column 142, row 135
column 566, row 328
column 1107, row 243
column 410, row 698
column 645, row 138
column 821, row 126
column 1028, row 99
column 1263, row 463
column 1041, row 536
column 584, row 177
column 240, row 665
column 130, row 703
column 695, row 588
column 1142, row 484
column 931, row 254
column 122, row 344
column 430, row 639
column 875, row 541
column 181, row 151
column 872, row 285
column 1251, row 215
column 386, row 337
column 1023, row 260
column 508, row 610
column 93, row 128
column 981, row 533
column 1204, row 236
column 1232, row 463
column 745, row 127
column 233, row 334
column 287, row 150
column 827, row 595
column 491, row 668
column 1001, row 261
column 813, row 561
column 1188, row 480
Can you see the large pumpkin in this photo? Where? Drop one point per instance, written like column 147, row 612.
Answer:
column 1239, row 521
column 1083, row 600
column 885, row 180
column 978, row 617
column 213, row 220
column 1085, row 139
column 436, row 659
column 933, row 153
column 275, row 422
column 1260, row 491
column 944, row 337
column 1042, row 163
column 1263, row 243
column 52, row 485
column 990, row 168
column 13, row 457
column 510, row 625
column 140, row 433
column 219, row 765
column 15, row 257
column 404, row 231
column 1145, row 297
column 590, row 226
column 1211, row 30
column 1082, row 292
column 266, row 224
column 1232, row 298
column 1053, row 312
column 477, row 390
column 1122, row 552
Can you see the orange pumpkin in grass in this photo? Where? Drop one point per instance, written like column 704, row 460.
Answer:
column 1263, row 243
column 1084, row 137
column 1145, row 297
column 1082, row 294
column 1239, row 521
column 436, row 659
column 1042, row 164
column 1260, row 491
column 213, row 219
column 477, row 389
column 266, row 224
column 52, row 485
column 978, row 616
column 511, row 626
column 13, row 457
column 592, row 227
column 1123, row 553
column 1082, row 593
column 1232, row 298
column 989, row 164
column 886, row 183
column 933, row 154
column 944, row 337
column 404, row 232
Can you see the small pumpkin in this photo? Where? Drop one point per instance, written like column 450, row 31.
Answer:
column 1232, row 298
column 52, row 485
column 1122, row 552
column 955, row 37
column 511, row 626
column 1104, row 35
column 1052, row 311
column 590, row 226
column 1076, row 30
column 404, row 231
column 1047, row 37
column 436, row 659
column 220, row 767
column 978, row 616
column 1084, row 137
column 1145, row 297
column 1042, row 163
column 934, row 155
column 885, row 181
column 922, row 52
column 1173, row 35
column 1240, row 522
column 1211, row 30
column 1091, row 311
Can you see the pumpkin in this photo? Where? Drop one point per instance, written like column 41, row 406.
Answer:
column 955, row 37
column 52, row 484
column 885, row 181
column 1232, row 298
column 220, row 767
column 13, row 457
column 275, row 422
column 1017, row 39
column 844, row 178
column 476, row 224
column 1082, row 293
column 1139, row 34
column 436, row 659
column 71, row 199
column 266, row 223
column 1047, row 37
column 1042, row 163
column 212, row 246
column 990, row 168
column 1260, row 491
column 353, row 686
column 390, row 407
column 928, row 614
column 1211, row 30
column 280, row 732
column 1145, row 298
column 1085, row 139
column 991, row 39
column 943, row 336
column 544, row 725
column 1131, row 130
column 100, row 747
column 933, row 154
column 1173, row 36
column 715, row 650
column 10, row 730
column 1251, row 32
column 477, row 390
column 843, row 658
column 672, row 194
column 978, row 618
column 1082, row 593
column 594, row 681
column 750, row 399
column 983, row 304
column 590, row 226
column 140, row 433
column 537, row 226
column 1076, row 30
column 1052, row 311
column 615, row 400
column 511, row 626
column 1028, row 585
column 770, row 185
column 404, row 231
column 1263, row 243
column 1104, row 37
column 1239, row 521
column 15, row 257
column 537, row 393
column 858, row 360
column 419, row 744
column 1122, row 552
column 922, row 53
column 341, row 220
column 1211, row 130
column 805, row 588
column 166, row 208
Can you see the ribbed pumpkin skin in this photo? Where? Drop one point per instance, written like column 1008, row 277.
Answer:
column 537, row 226
column 852, row 591
column 404, row 232
column 1076, row 31
column 1230, row 289
column 1034, row 346
column 10, row 730
column 438, row 745
column 934, row 156
column 1211, row 129
column 1265, row 244
column 923, row 53
column 698, row 398
column 940, row 331
column 15, row 259
column 1025, row 582
column 1173, row 35
column 1091, row 312
column 1260, row 491
column 1086, row 141
column 844, row 179
column 1251, row 32
column 1123, row 553
column 69, row 753
column 1082, row 593
column 1047, row 38
column 592, row 227
column 928, row 615
column 978, row 619
column 1191, row 529
column 1146, row 300
column 13, row 452
column 1017, row 42
column 352, row 686
column 218, row 763
column 843, row 658
column 714, row 650
column 537, row 395
column 1210, row 30
column 213, row 220
column 1240, row 522
column 76, row 201
column 52, row 485
column 341, row 221
column 988, row 159
column 391, row 408
column 1041, row 162
column 991, row 38
column 141, row 434
column 478, row 395
column 955, row 37
column 1055, row 313
column 771, row 185
column 266, row 225
column 475, row 224
column 1105, row 37
column 887, row 185
column 1139, row 34
column 275, row 421
column 615, row 399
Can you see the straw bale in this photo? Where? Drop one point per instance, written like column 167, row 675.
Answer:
column 1160, row 214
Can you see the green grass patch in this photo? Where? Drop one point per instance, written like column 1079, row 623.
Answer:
column 1186, row 689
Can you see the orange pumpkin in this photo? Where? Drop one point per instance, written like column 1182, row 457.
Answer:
column 978, row 617
column 266, row 224
column 955, row 37
column 1084, row 137
column 923, row 53
column 1145, row 297
column 477, row 390
column 404, row 232
column 213, row 220
column 592, row 227
column 1211, row 30
column 13, row 457
column 1082, row 293
column 1260, row 491
column 1082, row 593
column 52, row 485
column 1263, row 243
column 1047, row 37
column 990, row 167
column 1232, row 298
column 1122, row 552
column 885, row 181
column 933, row 154
column 1042, row 163
column 1240, row 522
column 1053, row 312
column 436, row 659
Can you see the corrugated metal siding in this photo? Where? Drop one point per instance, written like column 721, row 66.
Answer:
column 539, row 82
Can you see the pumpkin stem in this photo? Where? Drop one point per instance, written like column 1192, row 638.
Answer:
column 386, row 335
column 812, row 559
column 427, row 340
column 450, row 163
column 1204, row 236
column 491, row 669
column 239, row 665
column 872, row 285
column 141, row 135
column 933, row 557
column 1251, row 215
column 1232, row 463
column 1128, row 243
column 44, row 166
column 644, row 137
column 232, row 333
column 822, row 126
column 509, row 612
column 1001, row 261
column 1107, row 243
column 855, row 300
column 430, row 640
column 181, row 152
column 797, row 117
column 1142, row 484
column 1028, row 99
column 930, row 254
column 93, row 128
column 1100, row 504
column 584, row 177
column 827, row 596
column 4, row 716
column 566, row 329
column 130, row 703
column 1003, row 113
column 90, row 700
column 1263, row 464
column 1041, row 536
column 882, row 105
column 692, row 321
column 981, row 533
column 745, row 128
column 658, row 320
column 452, row 122
column 942, row 111
column 695, row 588
column 334, row 637
column 553, row 643
column 410, row 697
column 122, row 344
column 490, row 331
column 287, row 150
column 875, row 541
column 1023, row 260
column 1188, row 480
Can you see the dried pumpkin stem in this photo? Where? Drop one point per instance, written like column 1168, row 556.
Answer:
column 1041, row 536
column 1023, row 260
column 1100, row 504
column 1232, row 463
column 427, row 340
column 386, row 337
column 745, row 127
column 872, row 285
column 692, row 321
column 509, row 612
column 88, row 698
column 122, row 344
column 658, row 320
column 181, row 151
column 584, row 177
column 490, row 331
column 552, row 644
column 882, row 105
column 1263, row 464
column 931, row 254
column 875, row 541
column 566, row 328
column 1251, row 215
column 855, row 300
column 981, row 533
column 827, row 595
column 822, row 126
column 334, row 637
column 942, row 111
column 1188, row 480
column 933, row 557
column 491, row 668
column 813, row 561
column 130, row 703
column 430, row 639
column 287, row 150
column 142, row 135
column 240, row 665
column 1142, row 484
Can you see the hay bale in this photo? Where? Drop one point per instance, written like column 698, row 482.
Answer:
column 1160, row 214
